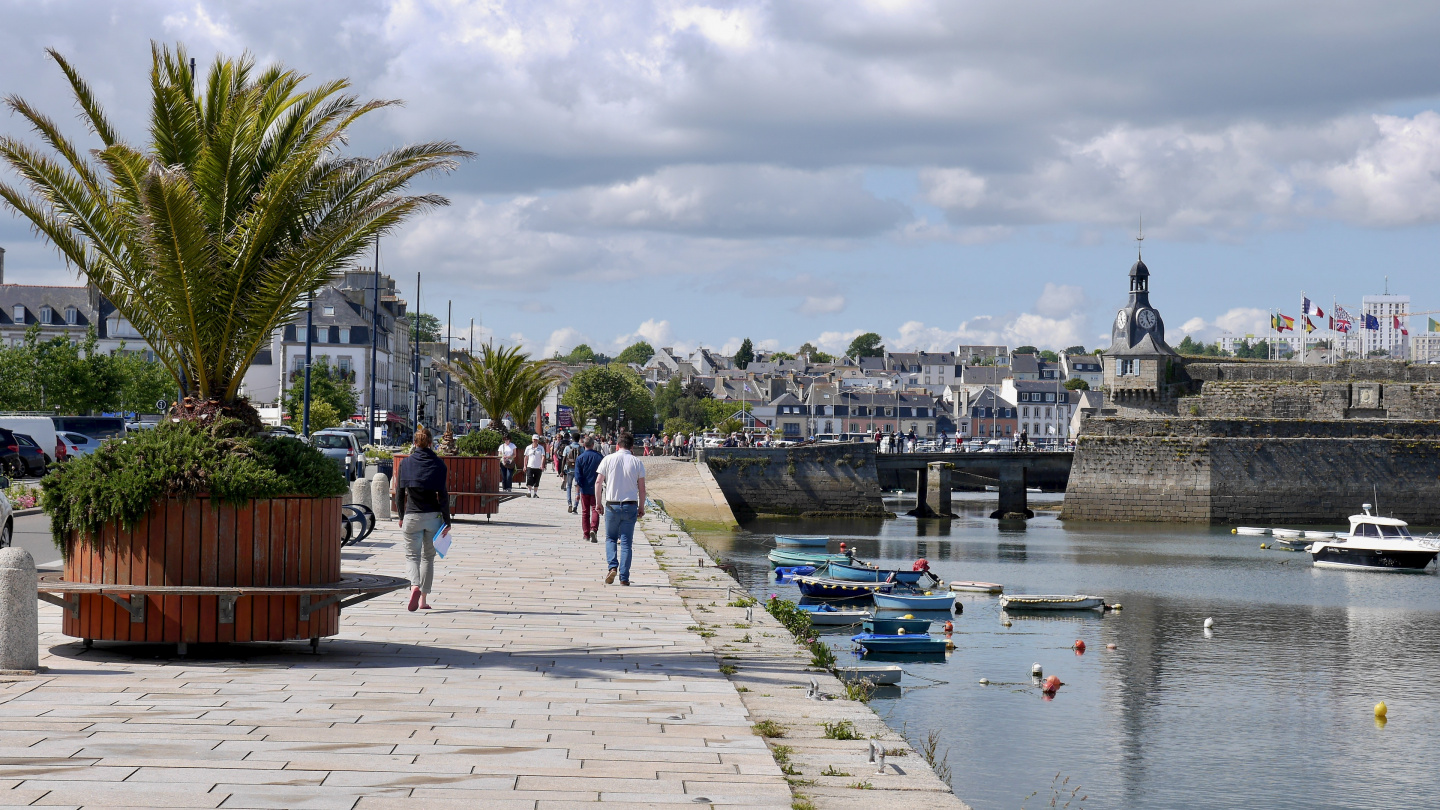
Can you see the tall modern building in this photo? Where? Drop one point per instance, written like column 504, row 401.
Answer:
column 1386, row 308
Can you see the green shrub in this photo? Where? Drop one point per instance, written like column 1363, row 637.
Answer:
column 479, row 442
column 795, row 620
column 122, row 479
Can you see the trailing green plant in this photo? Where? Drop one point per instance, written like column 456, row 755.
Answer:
column 789, row 614
column 122, row 479
column 820, row 654
column 940, row 763
column 769, row 729
column 861, row 690
column 841, row 730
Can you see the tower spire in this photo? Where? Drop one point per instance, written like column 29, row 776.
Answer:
column 1140, row 240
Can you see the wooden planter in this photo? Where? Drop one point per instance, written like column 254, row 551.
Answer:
column 279, row 542
column 467, row 478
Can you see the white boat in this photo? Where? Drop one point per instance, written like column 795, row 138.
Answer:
column 1252, row 531
column 1051, row 602
column 830, row 615
column 976, row 587
column 1376, row 544
column 1311, row 534
column 1286, row 532
column 877, row 674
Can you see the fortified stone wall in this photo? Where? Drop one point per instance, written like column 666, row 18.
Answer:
column 825, row 481
column 1253, row 471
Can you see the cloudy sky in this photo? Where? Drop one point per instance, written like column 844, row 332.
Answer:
column 937, row 172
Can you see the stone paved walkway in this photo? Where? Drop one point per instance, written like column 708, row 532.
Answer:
column 532, row 685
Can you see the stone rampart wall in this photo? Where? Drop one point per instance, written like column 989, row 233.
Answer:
column 835, row 480
column 1256, row 472
column 1345, row 371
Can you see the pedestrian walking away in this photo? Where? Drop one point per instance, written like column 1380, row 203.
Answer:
column 423, row 502
column 621, row 483
column 587, row 465
column 534, row 465
column 567, row 469
column 507, row 463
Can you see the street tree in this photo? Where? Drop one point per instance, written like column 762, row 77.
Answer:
column 638, row 353
column 428, row 328
column 866, row 345
column 502, row 380
column 328, row 384
column 746, row 355
column 604, row 391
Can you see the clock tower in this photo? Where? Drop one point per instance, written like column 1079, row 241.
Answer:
column 1139, row 365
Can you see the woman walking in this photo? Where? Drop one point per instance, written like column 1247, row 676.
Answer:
column 534, row 465
column 423, row 502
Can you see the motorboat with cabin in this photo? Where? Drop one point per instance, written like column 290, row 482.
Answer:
column 1376, row 543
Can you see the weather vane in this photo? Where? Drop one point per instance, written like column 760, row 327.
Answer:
column 1139, row 240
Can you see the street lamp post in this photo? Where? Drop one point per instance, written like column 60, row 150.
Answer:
column 449, row 316
column 374, row 338
column 415, row 363
column 309, row 343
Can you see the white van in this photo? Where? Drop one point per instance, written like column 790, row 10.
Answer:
column 39, row 428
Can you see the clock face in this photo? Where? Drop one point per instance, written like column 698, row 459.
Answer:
column 1146, row 318
column 1120, row 320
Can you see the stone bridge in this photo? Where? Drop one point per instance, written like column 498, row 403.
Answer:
column 933, row 475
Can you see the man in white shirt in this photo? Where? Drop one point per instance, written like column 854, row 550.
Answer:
column 534, row 465
column 621, row 484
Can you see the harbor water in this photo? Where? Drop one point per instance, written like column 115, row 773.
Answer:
column 1273, row 708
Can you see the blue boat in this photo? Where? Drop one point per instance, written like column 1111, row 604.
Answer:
column 899, row 643
column 784, row 556
column 942, row 601
column 820, row 588
column 803, row 540
column 852, row 572
column 784, row 572
column 892, row 627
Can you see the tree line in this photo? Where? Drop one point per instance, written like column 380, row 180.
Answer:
column 77, row 378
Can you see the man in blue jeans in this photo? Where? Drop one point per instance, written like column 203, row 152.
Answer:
column 621, row 483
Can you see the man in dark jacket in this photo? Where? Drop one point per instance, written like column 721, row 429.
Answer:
column 586, row 467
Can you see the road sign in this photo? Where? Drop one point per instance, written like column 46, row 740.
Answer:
column 160, row 405
column 564, row 416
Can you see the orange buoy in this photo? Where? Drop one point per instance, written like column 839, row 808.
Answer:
column 1052, row 684
column 1078, row 647
column 949, row 628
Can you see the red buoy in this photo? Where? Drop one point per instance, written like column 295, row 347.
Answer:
column 1052, row 685
column 921, row 564
column 949, row 628
column 1078, row 647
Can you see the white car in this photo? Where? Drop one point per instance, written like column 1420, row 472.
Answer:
column 77, row 444
column 7, row 522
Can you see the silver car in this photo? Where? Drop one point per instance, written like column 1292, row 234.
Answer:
column 341, row 446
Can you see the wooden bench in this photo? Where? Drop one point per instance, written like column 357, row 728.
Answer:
column 352, row 589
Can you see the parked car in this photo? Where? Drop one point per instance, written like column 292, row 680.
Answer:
column 77, row 444
column 40, row 429
column 7, row 515
column 341, row 446
column 999, row 446
column 973, row 445
column 33, row 460
column 361, row 434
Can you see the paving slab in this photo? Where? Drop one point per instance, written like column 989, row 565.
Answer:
column 531, row 684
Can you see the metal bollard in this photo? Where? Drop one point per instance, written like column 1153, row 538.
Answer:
column 380, row 496
column 19, row 612
column 360, row 491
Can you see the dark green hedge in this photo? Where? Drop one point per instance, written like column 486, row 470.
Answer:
column 486, row 442
column 121, row 480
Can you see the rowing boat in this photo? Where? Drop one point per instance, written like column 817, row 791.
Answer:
column 852, row 572
column 1051, row 602
column 802, row 540
column 976, row 587
column 877, row 674
column 890, row 627
column 785, row 556
column 899, row 644
column 940, row 601
column 831, row 615
column 821, row 588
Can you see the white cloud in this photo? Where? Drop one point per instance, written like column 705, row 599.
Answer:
column 1238, row 321
column 1060, row 322
column 1060, row 299
column 820, row 305
column 836, row 342
column 1395, row 178
column 562, row 341
column 657, row 333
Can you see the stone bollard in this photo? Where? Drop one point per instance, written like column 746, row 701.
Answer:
column 360, row 491
column 380, row 496
column 19, row 612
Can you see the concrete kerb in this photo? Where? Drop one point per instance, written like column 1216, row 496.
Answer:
column 773, row 675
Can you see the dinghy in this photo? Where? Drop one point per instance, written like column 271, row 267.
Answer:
column 831, row 615
column 1252, row 531
column 940, row 601
column 1286, row 532
column 891, row 627
column 802, row 540
column 877, row 674
column 976, row 587
column 899, row 643
column 860, row 572
column 820, row 588
column 1051, row 602
column 785, row 556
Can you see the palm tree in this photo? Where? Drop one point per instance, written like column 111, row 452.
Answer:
column 239, row 208
column 503, row 380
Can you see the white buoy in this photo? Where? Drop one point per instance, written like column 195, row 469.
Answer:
column 984, row 681
column 1209, row 623
column 1036, row 670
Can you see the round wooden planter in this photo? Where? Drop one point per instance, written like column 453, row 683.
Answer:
column 277, row 542
column 467, row 477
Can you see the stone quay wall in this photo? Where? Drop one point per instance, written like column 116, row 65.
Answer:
column 833, row 480
column 1253, row 471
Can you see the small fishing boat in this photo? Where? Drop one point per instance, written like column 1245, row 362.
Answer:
column 821, row 588
column 1252, row 531
column 916, row 601
column 1051, row 602
column 783, row 571
column 976, row 587
column 861, row 572
column 1286, row 532
column 802, row 540
column 899, row 643
column 785, row 556
column 877, row 674
column 831, row 615
column 890, row 627
column 1376, row 544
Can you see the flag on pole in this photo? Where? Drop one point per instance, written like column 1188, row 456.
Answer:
column 1280, row 323
column 1343, row 321
column 1309, row 327
column 1434, row 326
column 1313, row 309
column 1401, row 326
column 1372, row 323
